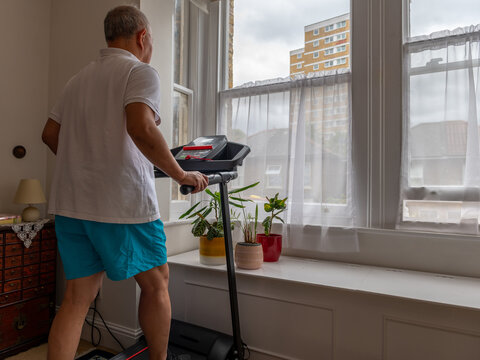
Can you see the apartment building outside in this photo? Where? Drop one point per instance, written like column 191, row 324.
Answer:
column 326, row 47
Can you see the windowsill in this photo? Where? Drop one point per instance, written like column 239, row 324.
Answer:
column 456, row 291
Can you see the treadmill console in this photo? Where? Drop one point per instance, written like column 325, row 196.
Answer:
column 203, row 148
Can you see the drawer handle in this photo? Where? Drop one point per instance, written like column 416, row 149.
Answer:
column 20, row 324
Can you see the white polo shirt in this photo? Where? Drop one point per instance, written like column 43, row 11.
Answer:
column 100, row 174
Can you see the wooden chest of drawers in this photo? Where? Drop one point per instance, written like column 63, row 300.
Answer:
column 27, row 289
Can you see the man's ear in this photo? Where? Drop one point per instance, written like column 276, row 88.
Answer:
column 140, row 38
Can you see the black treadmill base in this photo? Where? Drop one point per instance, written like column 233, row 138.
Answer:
column 192, row 341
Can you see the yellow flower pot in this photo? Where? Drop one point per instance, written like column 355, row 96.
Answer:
column 212, row 252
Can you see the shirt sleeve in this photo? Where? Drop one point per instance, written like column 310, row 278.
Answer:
column 144, row 86
column 57, row 111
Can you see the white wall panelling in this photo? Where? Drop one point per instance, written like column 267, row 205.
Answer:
column 282, row 319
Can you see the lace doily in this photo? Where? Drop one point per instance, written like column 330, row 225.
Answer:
column 28, row 230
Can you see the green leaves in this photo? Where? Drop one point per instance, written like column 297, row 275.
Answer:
column 273, row 204
column 203, row 226
column 243, row 188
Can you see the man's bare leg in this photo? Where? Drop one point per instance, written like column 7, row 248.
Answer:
column 154, row 311
column 67, row 326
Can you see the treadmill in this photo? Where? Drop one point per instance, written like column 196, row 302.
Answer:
column 217, row 158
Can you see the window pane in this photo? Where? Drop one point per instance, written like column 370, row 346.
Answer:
column 180, row 43
column 443, row 15
column 441, row 152
column 180, row 131
column 272, row 37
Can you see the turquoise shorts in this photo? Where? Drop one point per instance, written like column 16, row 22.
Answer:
column 121, row 250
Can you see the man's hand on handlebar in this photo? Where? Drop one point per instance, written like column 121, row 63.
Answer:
column 196, row 179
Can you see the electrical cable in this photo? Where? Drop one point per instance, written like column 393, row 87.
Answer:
column 245, row 351
column 95, row 311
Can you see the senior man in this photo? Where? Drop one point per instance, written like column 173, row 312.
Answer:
column 103, row 130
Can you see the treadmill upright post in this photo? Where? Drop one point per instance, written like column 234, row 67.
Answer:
column 232, row 285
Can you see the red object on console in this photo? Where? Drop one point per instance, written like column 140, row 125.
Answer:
column 272, row 246
column 199, row 147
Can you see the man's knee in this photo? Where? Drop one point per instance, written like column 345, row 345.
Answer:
column 82, row 292
column 155, row 279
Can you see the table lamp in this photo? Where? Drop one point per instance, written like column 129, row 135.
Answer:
column 30, row 192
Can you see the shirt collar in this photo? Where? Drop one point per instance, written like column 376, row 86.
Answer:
column 110, row 51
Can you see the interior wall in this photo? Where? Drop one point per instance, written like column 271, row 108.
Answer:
column 74, row 45
column 76, row 38
column 24, row 93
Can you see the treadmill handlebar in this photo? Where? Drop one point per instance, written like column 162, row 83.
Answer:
column 223, row 176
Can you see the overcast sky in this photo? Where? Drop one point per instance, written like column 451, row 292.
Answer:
column 266, row 30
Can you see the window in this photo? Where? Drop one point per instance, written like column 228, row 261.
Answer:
column 329, row 27
column 316, row 43
column 328, row 51
column 340, row 48
column 299, row 66
column 274, row 180
column 282, row 117
column 377, row 134
column 299, row 56
column 329, row 39
column 440, row 182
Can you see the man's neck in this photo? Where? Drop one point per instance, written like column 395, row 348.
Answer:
column 126, row 44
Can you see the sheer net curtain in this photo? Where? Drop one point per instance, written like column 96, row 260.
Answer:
column 299, row 132
column 441, row 153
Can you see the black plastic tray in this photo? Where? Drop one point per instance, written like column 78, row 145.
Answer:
column 228, row 160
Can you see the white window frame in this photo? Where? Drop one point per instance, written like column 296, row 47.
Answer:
column 316, row 43
column 376, row 45
column 316, row 66
column 316, row 54
column 299, row 66
column 299, row 56
column 316, row 32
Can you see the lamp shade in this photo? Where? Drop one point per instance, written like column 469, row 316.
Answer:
column 29, row 191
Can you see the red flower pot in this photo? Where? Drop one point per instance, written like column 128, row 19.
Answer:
column 272, row 246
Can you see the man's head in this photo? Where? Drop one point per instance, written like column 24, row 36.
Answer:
column 127, row 27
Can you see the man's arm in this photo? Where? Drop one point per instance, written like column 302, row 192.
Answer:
column 150, row 141
column 50, row 134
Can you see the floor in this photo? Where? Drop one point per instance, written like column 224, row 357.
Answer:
column 40, row 352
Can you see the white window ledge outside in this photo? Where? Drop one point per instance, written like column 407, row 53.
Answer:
column 456, row 291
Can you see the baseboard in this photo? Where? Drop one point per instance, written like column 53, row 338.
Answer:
column 126, row 335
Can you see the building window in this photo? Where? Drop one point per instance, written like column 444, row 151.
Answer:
column 273, row 174
column 299, row 66
column 328, row 51
column 341, row 48
column 315, row 54
column 315, row 67
column 329, row 27
column 316, row 43
column 299, row 56
column 315, row 31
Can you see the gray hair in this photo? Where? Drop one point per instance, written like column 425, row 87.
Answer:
column 123, row 21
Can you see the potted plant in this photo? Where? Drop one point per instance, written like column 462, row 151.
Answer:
column 272, row 243
column 210, row 229
column 248, row 253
